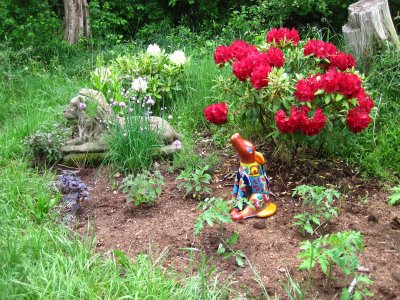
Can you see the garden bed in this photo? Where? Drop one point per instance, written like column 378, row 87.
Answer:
column 270, row 244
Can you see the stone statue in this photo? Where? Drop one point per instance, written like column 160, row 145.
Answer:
column 251, row 183
column 94, row 116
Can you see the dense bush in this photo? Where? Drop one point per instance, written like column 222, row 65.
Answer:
column 147, row 79
column 33, row 25
column 308, row 87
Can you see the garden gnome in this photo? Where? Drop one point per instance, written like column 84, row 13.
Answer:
column 251, row 182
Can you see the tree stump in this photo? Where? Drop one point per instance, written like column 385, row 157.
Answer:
column 369, row 21
column 76, row 20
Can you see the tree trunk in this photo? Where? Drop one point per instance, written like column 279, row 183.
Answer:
column 76, row 20
column 369, row 21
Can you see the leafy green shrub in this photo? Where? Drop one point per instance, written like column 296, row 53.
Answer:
column 273, row 13
column 394, row 199
column 195, row 182
column 132, row 147
column 319, row 201
column 289, row 89
column 143, row 188
column 340, row 249
column 145, row 80
column 32, row 25
column 45, row 147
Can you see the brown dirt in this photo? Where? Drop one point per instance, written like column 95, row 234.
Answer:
column 270, row 244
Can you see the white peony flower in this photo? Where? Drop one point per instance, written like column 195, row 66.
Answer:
column 178, row 57
column 139, row 84
column 153, row 50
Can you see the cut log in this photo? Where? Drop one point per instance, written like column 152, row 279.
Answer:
column 369, row 21
column 76, row 20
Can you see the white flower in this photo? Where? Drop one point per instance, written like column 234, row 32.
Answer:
column 170, row 117
column 178, row 57
column 177, row 144
column 153, row 50
column 122, row 104
column 102, row 73
column 82, row 106
column 150, row 101
column 139, row 84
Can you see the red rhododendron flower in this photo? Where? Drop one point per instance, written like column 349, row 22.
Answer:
column 259, row 76
column 357, row 119
column 263, row 59
column 349, row 85
column 242, row 68
column 222, row 54
column 330, row 81
column 284, row 123
column 283, row 35
column 293, row 122
column 342, row 61
column 216, row 113
column 364, row 100
column 313, row 126
column 319, row 48
column 275, row 57
column 305, row 89
column 241, row 49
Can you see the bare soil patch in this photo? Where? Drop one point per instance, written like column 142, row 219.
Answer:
column 270, row 244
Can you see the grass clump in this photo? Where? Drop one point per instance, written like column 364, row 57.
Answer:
column 132, row 146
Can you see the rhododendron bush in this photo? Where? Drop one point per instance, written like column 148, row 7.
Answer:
column 292, row 86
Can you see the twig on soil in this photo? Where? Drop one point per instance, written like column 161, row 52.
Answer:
column 315, row 230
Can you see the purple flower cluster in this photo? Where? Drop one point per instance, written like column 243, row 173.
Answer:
column 73, row 189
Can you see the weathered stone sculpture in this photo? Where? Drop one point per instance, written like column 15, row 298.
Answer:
column 94, row 117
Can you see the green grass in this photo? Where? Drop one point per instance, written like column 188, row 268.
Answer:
column 188, row 110
column 42, row 259
column 375, row 151
column 132, row 147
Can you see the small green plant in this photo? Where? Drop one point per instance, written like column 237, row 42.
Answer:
column 225, row 248
column 394, row 199
column 340, row 249
column 216, row 211
column 195, row 182
column 319, row 200
column 45, row 147
column 144, row 188
column 41, row 207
